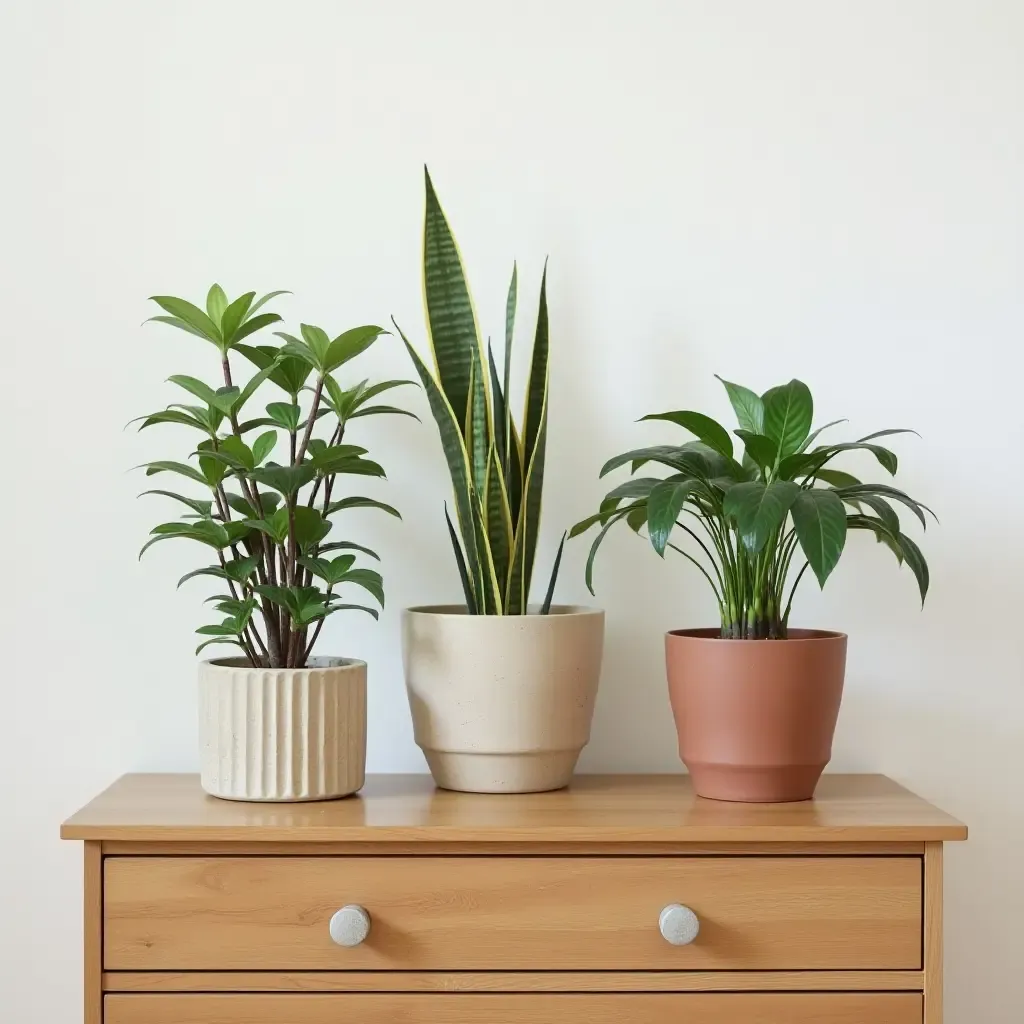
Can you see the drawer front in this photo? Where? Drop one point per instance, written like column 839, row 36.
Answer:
column 775, row 1008
column 499, row 913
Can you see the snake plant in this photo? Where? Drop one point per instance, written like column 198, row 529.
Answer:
column 738, row 512
column 496, row 466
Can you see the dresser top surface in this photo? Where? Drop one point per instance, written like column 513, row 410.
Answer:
column 594, row 809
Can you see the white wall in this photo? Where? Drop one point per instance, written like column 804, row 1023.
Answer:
column 827, row 190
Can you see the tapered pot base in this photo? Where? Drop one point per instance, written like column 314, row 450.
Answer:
column 755, row 784
column 502, row 773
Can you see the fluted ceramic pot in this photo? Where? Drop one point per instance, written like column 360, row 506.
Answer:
column 287, row 734
column 502, row 703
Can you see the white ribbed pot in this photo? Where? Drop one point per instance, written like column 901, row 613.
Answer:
column 502, row 703
column 284, row 734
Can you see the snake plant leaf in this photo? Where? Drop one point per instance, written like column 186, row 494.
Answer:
column 498, row 518
column 487, row 577
column 788, row 412
column 524, row 548
column 455, row 454
column 499, row 406
column 545, row 608
column 506, row 383
column 192, row 315
column 820, row 521
column 664, row 503
column 537, row 384
column 759, row 509
column 476, row 431
column 710, row 431
column 450, row 315
column 467, row 585
column 233, row 316
column 747, row 405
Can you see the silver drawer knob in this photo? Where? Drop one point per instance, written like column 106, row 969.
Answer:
column 350, row 926
column 678, row 924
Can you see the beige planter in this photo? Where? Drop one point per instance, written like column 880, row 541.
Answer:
column 282, row 734
column 502, row 703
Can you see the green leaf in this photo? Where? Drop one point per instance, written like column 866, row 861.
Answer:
column 180, row 324
column 748, row 406
column 820, row 521
column 234, row 315
column 545, row 608
column 788, row 411
column 712, row 433
column 885, row 512
column 318, row 343
column 285, row 415
column 637, row 487
column 369, row 579
column 382, row 410
column 497, row 519
column 191, row 315
column 219, row 640
column 918, row 566
column 347, row 545
column 164, row 466
column 237, row 451
column 200, row 507
column 761, row 448
column 216, row 303
column 467, row 586
column 176, row 416
column 837, row 478
column 310, row 526
column 263, row 446
column 886, row 459
column 286, row 480
column 204, row 531
column 348, row 345
column 759, row 510
column 682, row 459
column 611, row 520
column 887, row 433
column 240, row 569
column 663, row 506
column 261, row 302
column 210, row 570
column 357, row 501
column 856, row 490
column 342, row 607
column 287, row 372
column 475, row 429
column 812, row 436
column 254, row 324
column 195, row 387
column 214, row 469
column 537, row 384
column 450, row 316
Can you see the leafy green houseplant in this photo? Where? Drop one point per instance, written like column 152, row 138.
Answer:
column 268, row 479
column 752, row 525
column 480, row 654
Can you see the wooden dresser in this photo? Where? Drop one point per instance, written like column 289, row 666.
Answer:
column 621, row 900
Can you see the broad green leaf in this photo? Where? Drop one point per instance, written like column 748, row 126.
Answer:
column 191, row 314
column 759, row 510
column 450, row 315
column 918, row 566
column 286, row 480
column 210, row 570
column 261, row 302
column 204, row 531
column 612, row 519
column 788, row 411
column 287, row 372
column 213, row 469
column 885, row 512
column 199, row 506
column 887, row 433
column 218, row 640
column 713, row 434
column 369, row 579
column 285, row 415
column 857, row 489
column 813, row 435
column 263, row 446
column 820, row 521
column 180, row 324
column 748, row 406
column 637, row 487
column 254, row 324
column 240, row 569
column 233, row 316
column 886, row 459
column 236, row 449
column 837, row 478
column 349, row 344
column 382, row 410
column 164, row 466
column 663, row 506
column 216, row 303
column 225, row 399
column 372, row 390
column 195, row 387
column 310, row 526
column 343, row 607
column 318, row 343
column 681, row 459
column 762, row 449
column 176, row 416
column 347, row 545
column 360, row 502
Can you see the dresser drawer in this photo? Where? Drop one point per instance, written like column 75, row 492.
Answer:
column 511, row 913
column 774, row 1008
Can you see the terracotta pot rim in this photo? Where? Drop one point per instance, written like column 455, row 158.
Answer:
column 796, row 636
column 324, row 663
column 458, row 611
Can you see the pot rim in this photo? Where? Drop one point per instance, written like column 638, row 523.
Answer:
column 319, row 663
column 459, row 611
column 796, row 636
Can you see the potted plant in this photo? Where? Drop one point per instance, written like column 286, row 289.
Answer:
column 502, row 693
column 275, row 723
column 755, row 702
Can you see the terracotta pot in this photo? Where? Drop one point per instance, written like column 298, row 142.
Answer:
column 286, row 734
column 755, row 717
column 502, row 703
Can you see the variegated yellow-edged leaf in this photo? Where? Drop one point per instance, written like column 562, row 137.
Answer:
column 477, row 433
column 537, row 384
column 451, row 320
column 499, row 521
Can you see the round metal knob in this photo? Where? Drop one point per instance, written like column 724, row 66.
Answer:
column 350, row 926
column 678, row 924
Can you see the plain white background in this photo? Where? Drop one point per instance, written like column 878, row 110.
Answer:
column 813, row 188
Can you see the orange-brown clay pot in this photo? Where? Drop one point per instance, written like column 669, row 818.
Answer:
column 755, row 717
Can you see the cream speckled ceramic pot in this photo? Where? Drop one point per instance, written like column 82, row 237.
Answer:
column 285, row 734
column 502, row 703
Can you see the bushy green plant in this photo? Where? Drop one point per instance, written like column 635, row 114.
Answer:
column 497, row 469
column 749, row 519
column 268, row 521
